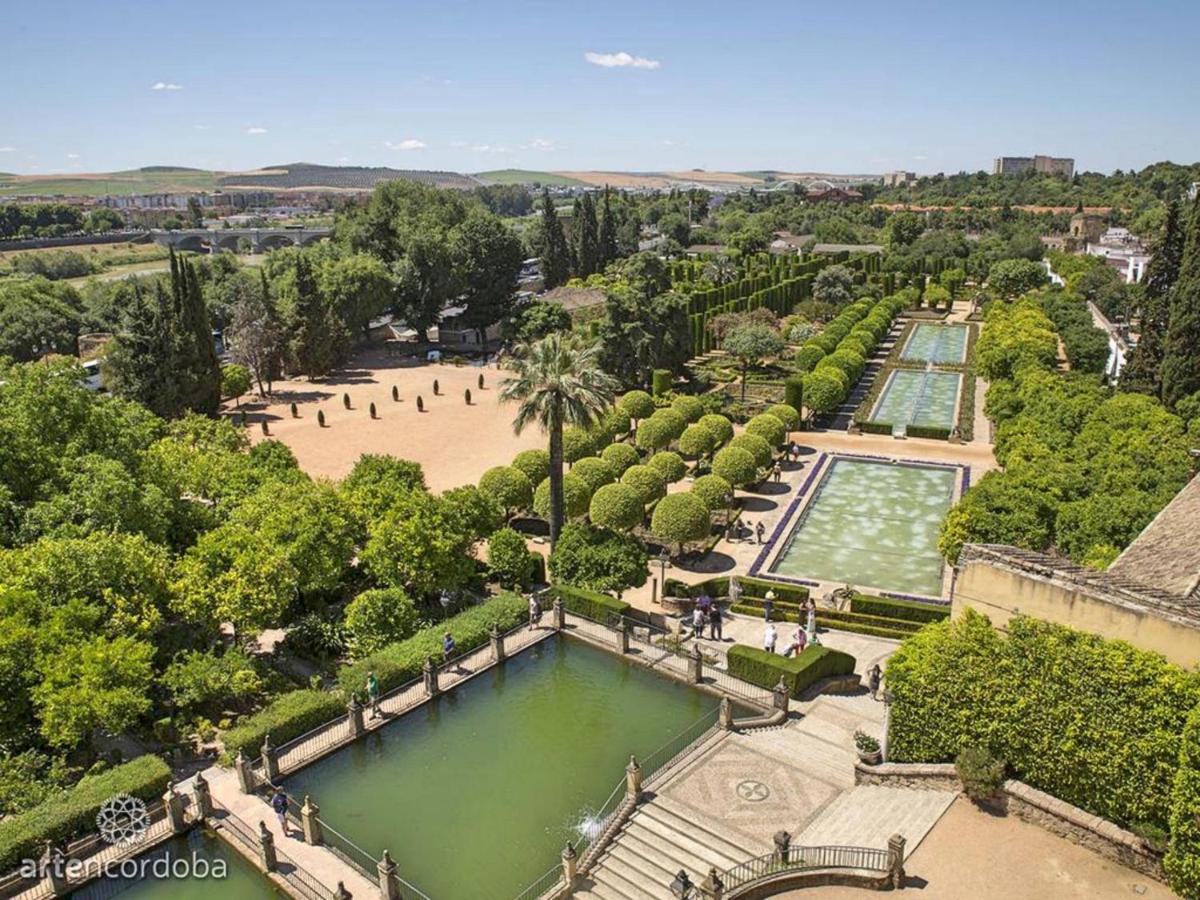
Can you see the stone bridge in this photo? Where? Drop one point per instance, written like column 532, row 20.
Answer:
column 259, row 240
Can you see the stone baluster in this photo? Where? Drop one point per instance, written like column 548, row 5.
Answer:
column 570, row 866
column 173, row 803
column 270, row 758
column 497, row 641
column 389, row 880
column 309, row 823
column 266, row 848
column 633, row 779
column 712, row 887
column 696, row 665
column 781, row 697
column 430, row 672
column 725, row 715
column 622, row 636
column 560, row 615
column 245, row 774
column 203, row 795
column 896, row 860
column 354, row 715
column 54, row 864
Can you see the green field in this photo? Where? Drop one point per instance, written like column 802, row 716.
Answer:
column 526, row 176
column 151, row 180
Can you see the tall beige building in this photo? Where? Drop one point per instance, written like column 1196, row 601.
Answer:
column 1047, row 165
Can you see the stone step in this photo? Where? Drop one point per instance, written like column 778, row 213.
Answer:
column 608, row 877
column 697, row 848
column 678, row 816
column 635, row 870
column 669, row 858
column 656, row 864
column 869, row 814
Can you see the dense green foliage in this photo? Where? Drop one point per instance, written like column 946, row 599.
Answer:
column 596, row 558
column 1182, row 861
column 590, row 604
column 680, row 518
column 798, row 672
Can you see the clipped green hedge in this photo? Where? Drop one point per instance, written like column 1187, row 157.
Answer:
column 287, row 716
column 885, row 628
column 933, row 432
column 592, row 604
column 751, row 587
column 72, row 813
column 402, row 661
column 798, row 672
column 1097, row 723
column 909, row 610
column 1182, row 861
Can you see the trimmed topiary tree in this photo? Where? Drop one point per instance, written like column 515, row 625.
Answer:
column 610, row 426
column 598, row 559
column 649, row 484
column 480, row 382
column 346, row 400
column 808, row 356
column 371, row 409
column 320, row 418
column 595, row 471
column 577, row 443
column 681, row 518
column 786, row 413
column 736, row 466
column 576, row 497
column 689, row 407
column 674, row 421
column 697, row 440
column 756, row 446
column 509, row 559
column 395, row 394
column 793, row 394
column 420, row 403
column 654, row 434
column 823, row 390
column 534, row 463
column 714, row 491
column 620, row 456
column 637, row 405
column 720, row 425
column 617, row 506
column 467, row 396
column 769, row 428
column 660, row 382
column 436, row 387
column 508, row 486
column 669, row 465
column 295, row 411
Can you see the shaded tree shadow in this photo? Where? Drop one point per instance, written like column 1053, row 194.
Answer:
column 710, row 562
column 770, row 488
column 758, row 505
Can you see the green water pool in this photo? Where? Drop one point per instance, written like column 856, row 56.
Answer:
column 241, row 882
column 913, row 397
column 936, row 344
column 476, row 793
column 874, row 525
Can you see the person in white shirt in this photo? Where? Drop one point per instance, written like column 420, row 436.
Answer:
column 770, row 636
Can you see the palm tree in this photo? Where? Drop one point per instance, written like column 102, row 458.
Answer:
column 557, row 381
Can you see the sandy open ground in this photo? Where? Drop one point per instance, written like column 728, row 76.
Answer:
column 454, row 442
column 971, row 854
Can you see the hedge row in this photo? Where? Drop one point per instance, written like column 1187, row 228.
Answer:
column 1183, row 853
column 764, row 669
column 592, row 604
column 933, row 432
column 869, row 625
column 403, row 661
column 719, row 587
column 909, row 610
column 73, row 813
column 287, row 716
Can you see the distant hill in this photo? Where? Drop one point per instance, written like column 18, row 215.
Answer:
column 150, row 180
column 299, row 176
column 663, row 180
column 527, row 176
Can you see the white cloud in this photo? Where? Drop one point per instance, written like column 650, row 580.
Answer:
column 72, row 156
column 406, row 144
column 458, row 143
column 8, row 149
column 166, row 86
column 343, row 159
column 255, row 130
column 620, row 60
column 920, row 156
column 489, row 148
column 543, row 144
column 200, row 127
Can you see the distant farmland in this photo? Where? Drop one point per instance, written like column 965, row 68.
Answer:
column 527, row 176
column 150, row 180
column 298, row 176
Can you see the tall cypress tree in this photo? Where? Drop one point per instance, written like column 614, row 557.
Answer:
column 587, row 238
column 1142, row 371
column 1181, row 356
column 608, row 233
column 141, row 365
column 556, row 255
column 309, row 347
column 199, row 368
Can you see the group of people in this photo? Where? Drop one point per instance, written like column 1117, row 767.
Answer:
column 804, row 635
column 708, row 612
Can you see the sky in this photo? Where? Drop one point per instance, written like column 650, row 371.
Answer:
column 850, row 87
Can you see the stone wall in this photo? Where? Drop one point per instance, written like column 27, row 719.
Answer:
column 1034, row 806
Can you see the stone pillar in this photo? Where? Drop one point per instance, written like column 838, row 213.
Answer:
column 173, row 803
column 431, row 677
column 633, row 779
column 204, row 805
column 497, row 640
column 781, row 697
column 622, row 636
column 783, row 847
column 653, row 590
column 570, row 863
column 389, row 883
column 896, row 860
column 712, row 887
column 266, row 849
column 270, row 760
column 696, row 665
column 560, row 615
column 54, row 864
column 725, row 714
column 354, row 714
column 309, row 823
column 244, row 773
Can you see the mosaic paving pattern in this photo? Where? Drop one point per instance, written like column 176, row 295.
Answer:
column 936, row 344
column 919, row 398
column 872, row 524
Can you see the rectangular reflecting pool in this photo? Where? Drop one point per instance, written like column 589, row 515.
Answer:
column 872, row 524
column 476, row 793
column 936, row 344
column 913, row 397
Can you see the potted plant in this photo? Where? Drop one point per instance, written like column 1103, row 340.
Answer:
column 868, row 748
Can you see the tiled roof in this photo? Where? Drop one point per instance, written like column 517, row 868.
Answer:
column 1167, row 552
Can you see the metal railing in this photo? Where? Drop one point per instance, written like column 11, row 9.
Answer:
column 674, row 750
column 542, row 885
column 299, row 878
column 359, row 859
column 801, row 859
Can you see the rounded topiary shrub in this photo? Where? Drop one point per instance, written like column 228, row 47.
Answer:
column 824, row 390
column 534, row 463
column 611, row 425
column 377, row 618
column 508, row 486
column 480, row 382
column 577, row 444
column 680, row 518
column 849, row 362
column 673, row 420
column 637, row 405
column 697, row 440
column 669, row 465
column 595, row 471
column 620, row 456
column 981, row 773
column 786, row 413
column 689, row 407
column 714, row 491
column 736, row 466
column 654, row 434
column 576, row 497
column 756, row 446
column 617, row 506
column 436, row 387
column 720, row 425
column 598, row 559
column 649, row 484
column 660, row 381
column 834, row 369
column 808, row 356
column 509, row 559
column 769, row 428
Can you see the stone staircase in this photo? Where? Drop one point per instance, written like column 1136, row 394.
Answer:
column 869, row 814
column 657, row 841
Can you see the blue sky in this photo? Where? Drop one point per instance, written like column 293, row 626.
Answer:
column 794, row 85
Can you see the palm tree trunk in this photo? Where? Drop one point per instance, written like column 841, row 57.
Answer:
column 556, row 472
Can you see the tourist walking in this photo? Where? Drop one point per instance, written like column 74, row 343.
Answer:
column 714, row 623
column 768, row 604
column 811, row 624
column 799, row 640
column 759, row 530
column 795, row 452
column 874, row 675
column 698, row 622
column 373, row 694
column 777, row 471
column 770, row 636
column 535, row 613
column 734, row 591
column 448, row 646
column 279, row 803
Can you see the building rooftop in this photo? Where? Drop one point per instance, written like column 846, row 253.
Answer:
column 571, row 298
column 1167, row 552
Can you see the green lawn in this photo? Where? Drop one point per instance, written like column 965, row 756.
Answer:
column 526, row 176
column 136, row 181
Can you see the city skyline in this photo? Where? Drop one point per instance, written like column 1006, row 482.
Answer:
column 468, row 87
